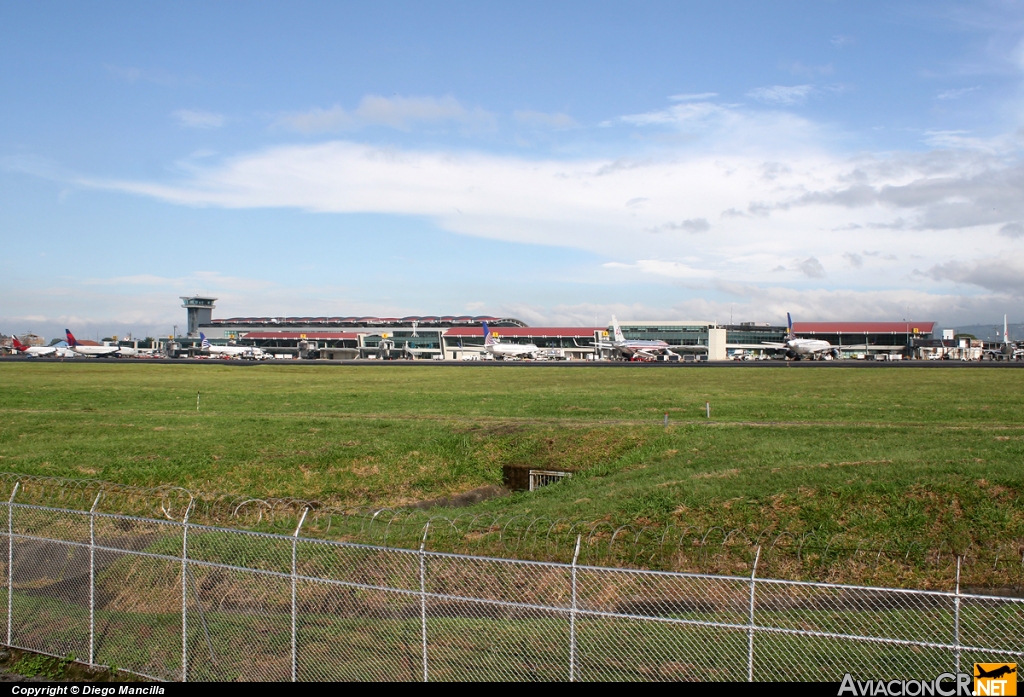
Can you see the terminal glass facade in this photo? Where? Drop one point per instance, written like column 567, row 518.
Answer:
column 673, row 335
column 424, row 339
column 455, row 342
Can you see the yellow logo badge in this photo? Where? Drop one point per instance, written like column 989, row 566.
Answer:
column 995, row 678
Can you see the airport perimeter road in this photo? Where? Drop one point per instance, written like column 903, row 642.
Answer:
column 539, row 364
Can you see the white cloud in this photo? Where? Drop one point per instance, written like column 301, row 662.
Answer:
column 660, row 267
column 192, row 118
column 679, row 114
column 401, row 113
column 771, row 200
column 957, row 93
column 696, row 97
column 785, row 95
column 898, row 205
column 538, row 119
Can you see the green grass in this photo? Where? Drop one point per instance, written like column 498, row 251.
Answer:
column 228, row 644
column 870, row 457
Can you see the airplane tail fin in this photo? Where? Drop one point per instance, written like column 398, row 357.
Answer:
column 203, row 341
column 617, row 333
column 789, row 324
column 72, row 341
column 488, row 337
column 18, row 346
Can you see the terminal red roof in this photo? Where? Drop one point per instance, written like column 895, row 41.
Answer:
column 545, row 332
column 315, row 336
column 862, row 327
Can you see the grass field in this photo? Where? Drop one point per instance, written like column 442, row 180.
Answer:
column 875, row 456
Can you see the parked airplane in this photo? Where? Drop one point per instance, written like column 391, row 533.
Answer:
column 229, row 351
column 797, row 348
column 34, row 351
column 499, row 350
column 100, row 351
column 645, row 349
column 1008, row 351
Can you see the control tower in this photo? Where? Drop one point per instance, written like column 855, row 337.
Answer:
column 200, row 311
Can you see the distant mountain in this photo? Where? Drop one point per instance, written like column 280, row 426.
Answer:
column 988, row 332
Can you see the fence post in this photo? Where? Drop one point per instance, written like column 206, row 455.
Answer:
column 92, row 580
column 10, row 562
column 750, row 630
column 184, row 592
column 295, row 580
column 956, row 618
column 572, row 616
column 423, row 600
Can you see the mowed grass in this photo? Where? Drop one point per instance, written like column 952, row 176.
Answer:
column 880, row 455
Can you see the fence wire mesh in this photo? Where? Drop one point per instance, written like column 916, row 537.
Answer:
column 173, row 600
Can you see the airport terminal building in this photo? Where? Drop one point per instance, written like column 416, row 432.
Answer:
column 451, row 337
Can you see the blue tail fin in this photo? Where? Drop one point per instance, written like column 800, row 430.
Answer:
column 203, row 341
column 789, row 322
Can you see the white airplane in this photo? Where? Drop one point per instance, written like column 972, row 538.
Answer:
column 644, row 349
column 100, row 351
column 229, row 351
column 34, row 351
column 797, row 348
column 1008, row 351
column 500, row 351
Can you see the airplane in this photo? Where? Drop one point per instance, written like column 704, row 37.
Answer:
column 1008, row 351
column 995, row 672
column 229, row 351
column 98, row 351
column 501, row 351
column 644, row 349
column 811, row 349
column 34, row 351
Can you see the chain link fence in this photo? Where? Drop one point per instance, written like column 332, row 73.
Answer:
column 174, row 600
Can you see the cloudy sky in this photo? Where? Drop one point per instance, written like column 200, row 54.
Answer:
column 553, row 162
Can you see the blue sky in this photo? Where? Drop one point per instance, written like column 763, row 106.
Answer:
column 556, row 163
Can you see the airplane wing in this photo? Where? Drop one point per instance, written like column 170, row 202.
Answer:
column 772, row 344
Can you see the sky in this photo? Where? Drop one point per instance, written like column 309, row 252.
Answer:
column 554, row 162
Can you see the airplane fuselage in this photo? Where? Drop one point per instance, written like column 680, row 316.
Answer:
column 38, row 351
column 235, row 351
column 808, row 347
column 511, row 350
column 648, row 347
column 97, row 350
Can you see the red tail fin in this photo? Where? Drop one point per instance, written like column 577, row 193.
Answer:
column 72, row 341
column 18, row 346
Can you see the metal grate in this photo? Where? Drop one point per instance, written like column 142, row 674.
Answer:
column 539, row 478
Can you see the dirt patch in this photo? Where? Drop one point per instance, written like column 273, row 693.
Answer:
column 721, row 474
column 467, row 498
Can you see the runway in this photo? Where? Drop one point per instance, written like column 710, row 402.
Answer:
column 680, row 365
